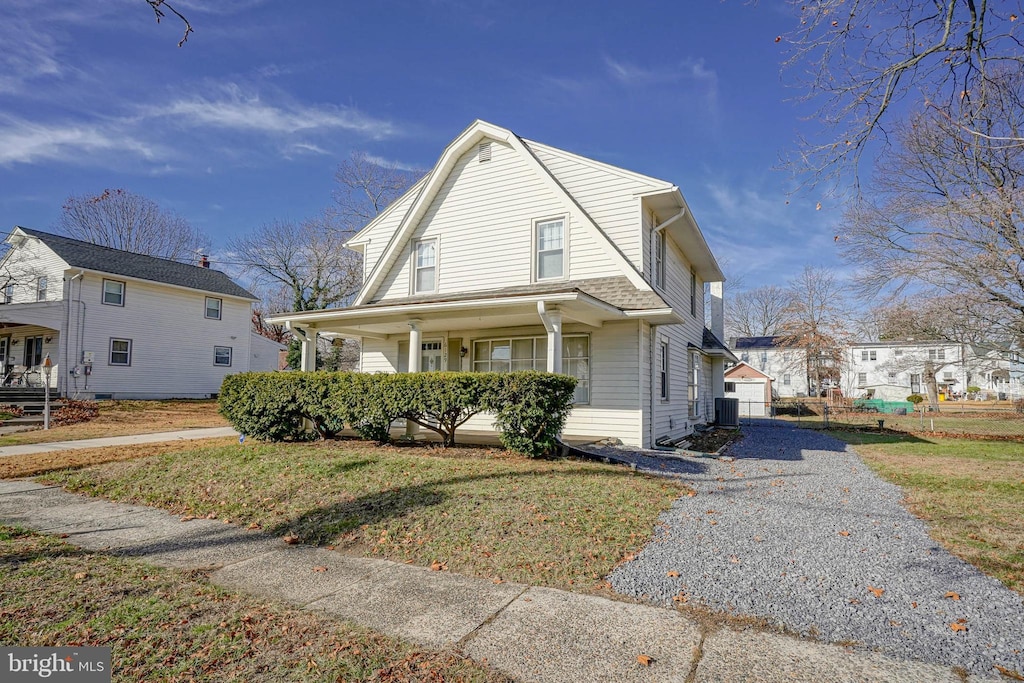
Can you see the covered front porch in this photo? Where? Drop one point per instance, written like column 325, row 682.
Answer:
column 568, row 332
column 28, row 333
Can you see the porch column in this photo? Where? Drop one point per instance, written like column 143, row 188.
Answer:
column 415, row 346
column 553, row 324
column 308, row 343
column 415, row 365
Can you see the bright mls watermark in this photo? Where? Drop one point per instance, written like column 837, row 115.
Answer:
column 78, row 664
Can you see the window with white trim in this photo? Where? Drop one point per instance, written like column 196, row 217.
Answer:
column 550, row 242
column 693, row 292
column 41, row 289
column 424, row 267
column 786, row 379
column 659, row 259
column 936, row 354
column 693, row 388
column 663, row 372
column 862, row 378
column 8, row 293
column 213, row 308
column 120, row 352
column 531, row 353
column 222, row 356
column 730, row 387
column 113, row 292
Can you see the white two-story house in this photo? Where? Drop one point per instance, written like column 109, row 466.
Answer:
column 785, row 364
column 513, row 255
column 120, row 325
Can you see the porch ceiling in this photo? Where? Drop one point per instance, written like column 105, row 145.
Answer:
column 381, row 320
column 48, row 314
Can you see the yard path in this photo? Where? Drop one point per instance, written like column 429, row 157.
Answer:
column 129, row 440
column 798, row 531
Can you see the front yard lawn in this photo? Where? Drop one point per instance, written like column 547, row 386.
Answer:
column 165, row 624
column 480, row 512
column 970, row 492
column 118, row 418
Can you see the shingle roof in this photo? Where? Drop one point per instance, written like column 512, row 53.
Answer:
column 79, row 254
column 617, row 291
column 710, row 341
column 758, row 342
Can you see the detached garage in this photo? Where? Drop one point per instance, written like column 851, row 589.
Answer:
column 751, row 387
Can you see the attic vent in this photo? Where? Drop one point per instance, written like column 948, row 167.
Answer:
column 485, row 152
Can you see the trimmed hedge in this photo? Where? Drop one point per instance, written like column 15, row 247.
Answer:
column 530, row 408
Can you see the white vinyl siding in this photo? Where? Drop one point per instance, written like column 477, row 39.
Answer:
column 113, row 293
column 607, row 194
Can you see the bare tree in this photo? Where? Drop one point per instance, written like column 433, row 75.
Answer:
column 366, row 187
column 944, row 218
column 865, row 61
column 159, row 6
column 816, row 315
column 759, row 312
column 124, row 220
column 307, row 259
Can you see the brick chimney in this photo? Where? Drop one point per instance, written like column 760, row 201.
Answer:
column 204, row 261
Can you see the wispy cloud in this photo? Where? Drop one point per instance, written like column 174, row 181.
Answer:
column 238, row 110
column 631, row 74
column 24, row 141
column 400, row 165
column 27, row 55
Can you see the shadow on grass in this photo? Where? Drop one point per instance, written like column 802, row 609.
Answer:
column 324, row 524
column 786, row 440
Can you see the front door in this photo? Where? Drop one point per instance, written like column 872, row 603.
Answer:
column 5, row 349
column 33, row 351
column 430, row 360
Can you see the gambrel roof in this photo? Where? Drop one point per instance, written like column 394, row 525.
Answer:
column 93, row 257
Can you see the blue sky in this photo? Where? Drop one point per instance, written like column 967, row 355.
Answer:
column 248, row 121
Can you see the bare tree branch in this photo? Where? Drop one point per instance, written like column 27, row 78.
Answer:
column 158, row 9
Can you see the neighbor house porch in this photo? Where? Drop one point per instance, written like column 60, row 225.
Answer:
column 28, row 333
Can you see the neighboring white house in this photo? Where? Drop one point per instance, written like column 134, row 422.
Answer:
column 787, row 365
column 893, row 370
column 120, row 325
column 510, row 254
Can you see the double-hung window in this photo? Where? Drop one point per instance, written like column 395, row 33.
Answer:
column 663, row 372
column 213, row 308
column 531, row 353
column 120, row 351
column 113, row 293
column 550, row 257
column 41, row 289
column 693, row 388
column 659, row 259
column 222, row 356
column 693, row 292
column 424, row 277
column 8, row 294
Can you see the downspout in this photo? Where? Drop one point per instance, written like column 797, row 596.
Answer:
column 654, row 425
column 65, row 336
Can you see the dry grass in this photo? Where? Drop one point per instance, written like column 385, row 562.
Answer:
column 171, row 625
column 970, row 492
column 15, row 466
column 479, row 512
column 119, row 418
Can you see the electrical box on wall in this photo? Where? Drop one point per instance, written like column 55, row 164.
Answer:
column 88, row 357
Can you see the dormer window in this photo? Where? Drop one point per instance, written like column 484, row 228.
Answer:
column 550, row 256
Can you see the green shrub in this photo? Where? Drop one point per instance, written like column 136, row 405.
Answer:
column 264, row 405
column 973, row 389
column 916, row 399
column 530, row 407
column 530, row 410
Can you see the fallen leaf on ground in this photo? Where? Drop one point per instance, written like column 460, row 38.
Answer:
column 877, row 592
column 672, row 574
column 959, row 625
column 644, row 660
column 436, row 566
column 290, row 539
column 81, row 575
column 320, row 568
column 629, row 558
column 253, row 525
column 497, row 581
column 952, row 596
column 844, row 533
column 1009, row 673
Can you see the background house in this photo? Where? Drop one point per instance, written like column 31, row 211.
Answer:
column 773, row 357
column 513, row 255
column 118, row 324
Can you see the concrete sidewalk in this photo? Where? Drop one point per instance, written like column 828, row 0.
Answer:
column 181, row 435
column 530, row 633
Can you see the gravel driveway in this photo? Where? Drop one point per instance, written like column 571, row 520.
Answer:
column 800, row 532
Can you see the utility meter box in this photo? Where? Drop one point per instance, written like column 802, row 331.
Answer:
column 88, row 357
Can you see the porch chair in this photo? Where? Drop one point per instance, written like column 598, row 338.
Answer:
column 15, row 376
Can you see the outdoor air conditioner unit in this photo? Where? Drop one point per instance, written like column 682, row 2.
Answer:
column 727, row 412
